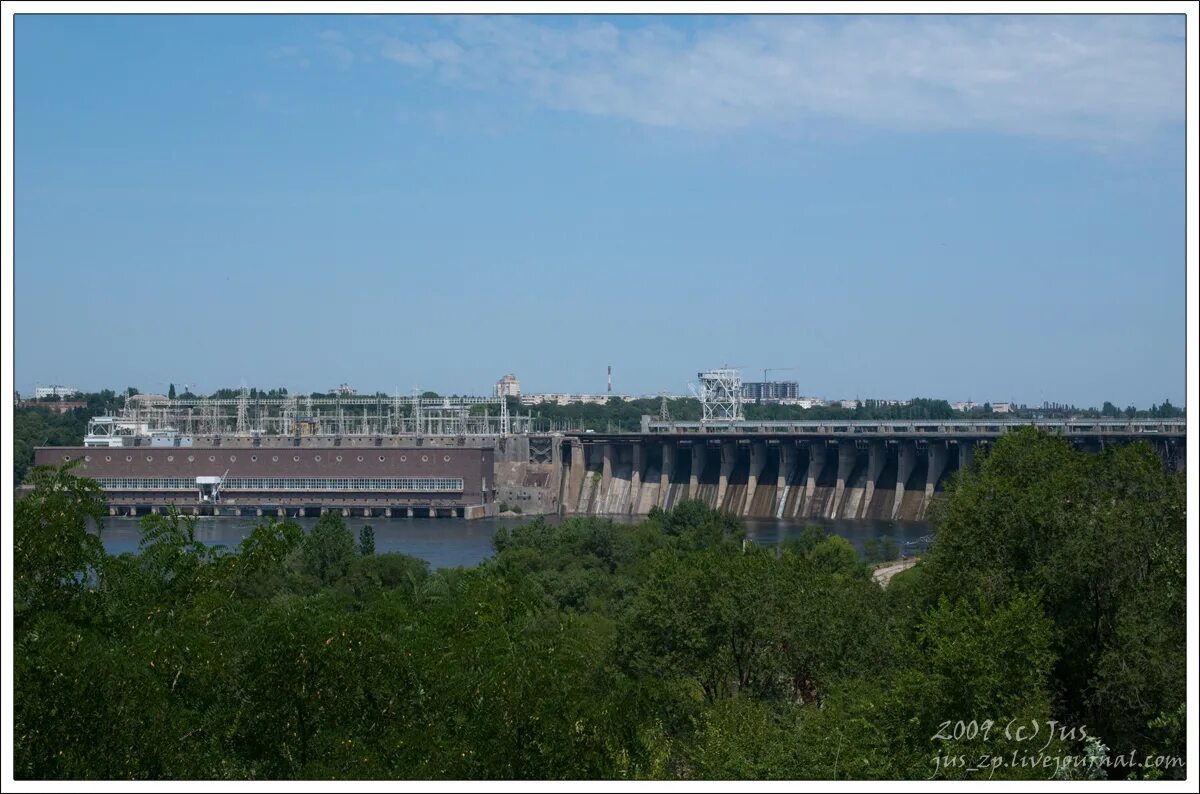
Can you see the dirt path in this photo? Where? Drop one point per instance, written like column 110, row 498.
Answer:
column 884, row 574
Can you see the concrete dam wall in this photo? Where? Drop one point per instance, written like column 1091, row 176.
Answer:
column 827, row 475
column 760, row 478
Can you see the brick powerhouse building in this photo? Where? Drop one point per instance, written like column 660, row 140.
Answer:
column 428, row 480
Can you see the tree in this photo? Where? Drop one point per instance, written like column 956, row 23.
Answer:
column 366, row 541
column 171, row 392
column 1103, row 538
column 55, row 557
column 329, row 548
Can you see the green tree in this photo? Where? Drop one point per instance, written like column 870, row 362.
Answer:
column 366, row 541
column 1102, row 536
column 329, row 548
column 55, row 557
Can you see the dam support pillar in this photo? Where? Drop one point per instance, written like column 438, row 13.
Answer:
column 787, row 464
column 816, row 462
column 758, row 459
column 605, row 475
column 664, row 476
column 906, row 459
column 938, row 453
column 635, row 479
column 698, row 456
column 876, row 460
column 966, row 454
column 575, row 478
column 728, row 457
column 847, row 455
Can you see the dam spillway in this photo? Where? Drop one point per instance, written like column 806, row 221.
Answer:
column 829, row 470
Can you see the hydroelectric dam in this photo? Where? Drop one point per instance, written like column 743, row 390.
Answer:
column 468, row 457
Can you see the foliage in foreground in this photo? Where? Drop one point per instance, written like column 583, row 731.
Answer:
column 670, row 649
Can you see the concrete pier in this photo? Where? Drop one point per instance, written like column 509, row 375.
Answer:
column 816, row 463
column 847, row 455
column 966, row 455
column 664, row 476
column 758, row 460
column 906, row 459
column 605, row 475
column 699, row 453
column 876, row 460
column 578, row 469
column 728, row 459
column 937, row 458
column 635, row 480
column 787, row 466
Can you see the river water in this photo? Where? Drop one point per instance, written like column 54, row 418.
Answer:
column 452, row 542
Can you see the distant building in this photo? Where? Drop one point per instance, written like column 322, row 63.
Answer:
column 508, row 386
column 966, row 405
column 848, row 403
column 54, row 391
column 568, row 399
column 343, row 391
column 770, row 391
column 804, row 402
column 1002, row 408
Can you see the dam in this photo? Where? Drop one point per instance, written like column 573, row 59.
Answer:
column 825, row 469
column 469, row 458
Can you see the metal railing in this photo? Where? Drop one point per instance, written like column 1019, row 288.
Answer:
column 949, row 427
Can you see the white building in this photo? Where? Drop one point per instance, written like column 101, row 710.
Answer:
column 508, row 386
column 343, row 391
column 966, row 405
column 54, row 391
column 568, row 399
column 1002, row 408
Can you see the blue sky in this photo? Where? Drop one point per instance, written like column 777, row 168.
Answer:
column 962, row 207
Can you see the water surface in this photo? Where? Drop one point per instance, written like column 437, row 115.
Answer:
column 452, row 542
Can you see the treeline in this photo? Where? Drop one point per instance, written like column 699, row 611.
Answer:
column 39, row 424
column 618, row 415
column 1054, row 595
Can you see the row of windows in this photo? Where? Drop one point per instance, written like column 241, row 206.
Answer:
column 416, row 484
column 253, row 458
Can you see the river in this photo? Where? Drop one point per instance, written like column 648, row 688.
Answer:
column 452, row 542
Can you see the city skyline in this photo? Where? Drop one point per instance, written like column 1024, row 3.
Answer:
column 295, row 201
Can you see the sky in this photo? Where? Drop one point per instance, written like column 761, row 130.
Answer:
column 961, row 207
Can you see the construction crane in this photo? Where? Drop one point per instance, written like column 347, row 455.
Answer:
column 776, row 369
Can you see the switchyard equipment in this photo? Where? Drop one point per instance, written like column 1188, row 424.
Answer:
column 259, row 418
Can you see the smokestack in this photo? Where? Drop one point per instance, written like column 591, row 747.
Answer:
column 610, row 378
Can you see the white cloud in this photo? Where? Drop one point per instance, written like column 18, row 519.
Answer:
column 1098, row 78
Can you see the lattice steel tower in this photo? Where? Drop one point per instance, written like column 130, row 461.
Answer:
column 720, row 394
